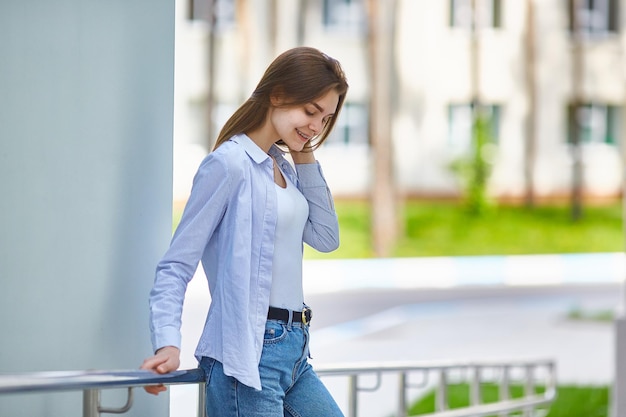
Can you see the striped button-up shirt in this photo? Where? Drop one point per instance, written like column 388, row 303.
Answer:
column 228, row 224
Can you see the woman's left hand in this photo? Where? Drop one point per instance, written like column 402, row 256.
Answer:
column 305, row 156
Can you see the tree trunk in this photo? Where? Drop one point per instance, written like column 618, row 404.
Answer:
column 385, row 223
column 273, row 19
column 244, row 22
column 530, row 148
column 211, row 56
column 475, row 59
column 577, row 79
column 301, row 18
column 480, row 123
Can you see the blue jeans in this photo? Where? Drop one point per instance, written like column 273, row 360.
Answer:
column 290, row 387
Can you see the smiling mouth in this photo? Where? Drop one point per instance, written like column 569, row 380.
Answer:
column 303, row 136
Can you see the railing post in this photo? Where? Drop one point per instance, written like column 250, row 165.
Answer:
column 352, row 396
column 91, row 403
column 504, row 393
column 475, row 387
column 202, row 400
column 529, row 389
column 441, row 399
column 402, row 395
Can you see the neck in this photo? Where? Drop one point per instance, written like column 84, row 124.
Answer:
column 265, row 136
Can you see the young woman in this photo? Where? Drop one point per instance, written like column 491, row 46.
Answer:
column 246, row 219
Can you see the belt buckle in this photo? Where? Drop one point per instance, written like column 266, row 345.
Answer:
column 307, row 315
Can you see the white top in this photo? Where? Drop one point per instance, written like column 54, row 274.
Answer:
column 293, row 211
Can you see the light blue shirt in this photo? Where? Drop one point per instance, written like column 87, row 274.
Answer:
column 229, row 224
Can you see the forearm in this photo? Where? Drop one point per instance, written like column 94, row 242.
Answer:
column 322, row 230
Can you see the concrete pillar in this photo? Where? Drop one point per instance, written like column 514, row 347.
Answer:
column 86, row 93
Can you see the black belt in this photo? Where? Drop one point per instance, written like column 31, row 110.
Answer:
column 303, row 316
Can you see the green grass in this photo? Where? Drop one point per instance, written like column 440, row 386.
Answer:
column 447, row 229
column 579, row 314
column 571, row 401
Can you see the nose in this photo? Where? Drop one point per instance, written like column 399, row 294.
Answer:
column 316, row 126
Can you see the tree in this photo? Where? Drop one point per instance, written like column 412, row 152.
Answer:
column 244, row 33
column 474, row 170
column 385, row 224
column 577, row 79
column 210, row 101
column 301, row 19
column 530, row 144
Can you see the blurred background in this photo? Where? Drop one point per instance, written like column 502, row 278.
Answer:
column 477, row 169
column 489, row 101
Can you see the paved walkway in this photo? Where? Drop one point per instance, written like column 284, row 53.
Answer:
column 527, row 328
column 524, row 327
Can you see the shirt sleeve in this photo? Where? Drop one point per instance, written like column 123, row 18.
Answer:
column 321, row 231
column 203, row 212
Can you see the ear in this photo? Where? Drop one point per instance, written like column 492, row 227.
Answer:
column 275, row 101
column 277, row 97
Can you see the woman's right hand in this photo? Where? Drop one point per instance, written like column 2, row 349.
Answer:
column 166, row 359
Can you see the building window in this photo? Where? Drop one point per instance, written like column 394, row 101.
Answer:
column 224, row 11
column 344, row 15
column 597, row 123
column 351, row 127
column 460, row 122
column 594, row 17
column 488, row 14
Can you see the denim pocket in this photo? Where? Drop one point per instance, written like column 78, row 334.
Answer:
column 206, row 364
column 274, row 332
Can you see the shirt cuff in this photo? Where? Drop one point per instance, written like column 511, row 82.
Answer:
column 165, row 336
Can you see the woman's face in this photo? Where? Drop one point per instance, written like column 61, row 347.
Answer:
column 297, row 125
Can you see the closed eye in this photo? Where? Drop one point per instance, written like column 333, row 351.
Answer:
column 319, row 109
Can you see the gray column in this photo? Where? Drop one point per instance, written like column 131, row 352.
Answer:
column 86, row 105
column 618, row 394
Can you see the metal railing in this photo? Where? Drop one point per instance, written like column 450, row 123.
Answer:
column 437, row 376
column 93, row 382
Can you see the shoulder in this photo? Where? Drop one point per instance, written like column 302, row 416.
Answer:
column 229, row 160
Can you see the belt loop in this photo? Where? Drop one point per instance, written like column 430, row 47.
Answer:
column 290, row 320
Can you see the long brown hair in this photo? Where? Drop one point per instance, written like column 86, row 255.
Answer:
column 298, row 76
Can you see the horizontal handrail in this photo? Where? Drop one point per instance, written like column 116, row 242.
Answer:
column 81, row 380
column 92, row 381
column 399, row 366
column 78, row 380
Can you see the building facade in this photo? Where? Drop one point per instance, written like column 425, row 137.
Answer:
column 539, row 80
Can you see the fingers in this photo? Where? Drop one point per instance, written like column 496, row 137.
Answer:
column 152, row 364
column 303, row 157
column 155, row 389
column 165, row 360
column 155, row 364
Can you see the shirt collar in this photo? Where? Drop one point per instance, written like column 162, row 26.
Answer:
column 253, row 150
